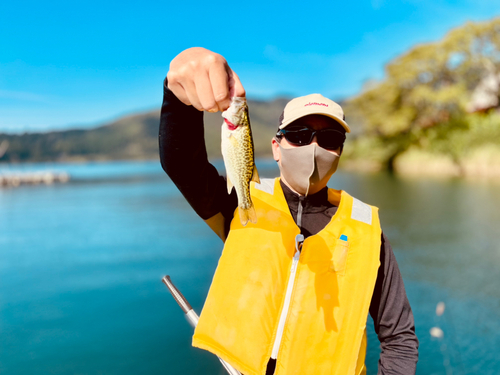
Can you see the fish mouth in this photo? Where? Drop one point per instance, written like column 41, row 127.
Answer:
column 230, row 125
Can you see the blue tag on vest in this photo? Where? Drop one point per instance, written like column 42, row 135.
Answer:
column 343, row 237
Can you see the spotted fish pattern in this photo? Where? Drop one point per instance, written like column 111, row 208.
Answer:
column 238, row 154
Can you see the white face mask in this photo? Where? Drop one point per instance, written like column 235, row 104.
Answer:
column 306, row 168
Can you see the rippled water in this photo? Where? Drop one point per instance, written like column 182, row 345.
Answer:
column 81, row 264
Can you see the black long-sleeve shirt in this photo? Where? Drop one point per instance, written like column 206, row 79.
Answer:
column 184, row 158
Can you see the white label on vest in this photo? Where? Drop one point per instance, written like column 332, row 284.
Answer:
column 361, row 211
column 266, row 185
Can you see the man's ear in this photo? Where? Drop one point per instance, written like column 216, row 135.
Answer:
column 276, row 149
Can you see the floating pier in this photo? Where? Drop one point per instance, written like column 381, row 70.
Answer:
column 14, row 179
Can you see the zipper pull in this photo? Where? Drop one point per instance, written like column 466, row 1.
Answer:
column 299, row 240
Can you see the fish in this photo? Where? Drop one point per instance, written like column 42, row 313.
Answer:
column 238, row 154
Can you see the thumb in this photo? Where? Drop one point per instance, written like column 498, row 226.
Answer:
column 235, row 86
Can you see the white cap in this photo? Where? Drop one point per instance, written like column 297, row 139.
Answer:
column 313, row 104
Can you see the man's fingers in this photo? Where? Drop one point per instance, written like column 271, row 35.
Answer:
column 178, row 91
column 190, row 90
column 203, row 79
column 205, row 92
column 220, row 85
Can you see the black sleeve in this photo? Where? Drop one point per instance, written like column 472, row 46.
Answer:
column 393, row 318
column 183, row 156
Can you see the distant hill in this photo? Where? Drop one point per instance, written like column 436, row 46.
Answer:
column 131, row 137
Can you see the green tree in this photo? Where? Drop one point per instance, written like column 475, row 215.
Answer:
column 428, row 91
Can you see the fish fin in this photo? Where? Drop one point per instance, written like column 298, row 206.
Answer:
column 255, row 175
column 252, row 215
column 233, row 140
column 229, row 185
column 247, row 215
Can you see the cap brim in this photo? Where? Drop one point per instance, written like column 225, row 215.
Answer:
column 339, row 120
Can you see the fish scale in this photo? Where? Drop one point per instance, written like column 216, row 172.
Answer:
column 238, row 154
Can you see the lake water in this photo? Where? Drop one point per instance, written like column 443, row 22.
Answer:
column 81, row 266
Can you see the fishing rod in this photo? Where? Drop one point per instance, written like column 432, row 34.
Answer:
column 192, row 317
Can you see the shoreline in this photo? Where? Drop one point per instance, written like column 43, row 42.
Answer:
column 482, row 163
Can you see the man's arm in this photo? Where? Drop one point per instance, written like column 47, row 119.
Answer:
column 393, row 318
column 198, row 80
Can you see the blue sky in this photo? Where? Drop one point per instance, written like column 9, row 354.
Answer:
column 82, row 63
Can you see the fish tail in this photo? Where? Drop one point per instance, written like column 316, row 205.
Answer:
column 247, row 214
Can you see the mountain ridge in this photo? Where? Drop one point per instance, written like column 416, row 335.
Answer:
column 131, row 137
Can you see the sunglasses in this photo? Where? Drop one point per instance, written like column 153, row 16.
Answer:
column 329, row 139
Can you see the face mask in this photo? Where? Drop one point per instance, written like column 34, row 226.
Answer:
column 305, row 168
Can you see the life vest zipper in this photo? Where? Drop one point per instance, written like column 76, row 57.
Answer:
column 299, row 240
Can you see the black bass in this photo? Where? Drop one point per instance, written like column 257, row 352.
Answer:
column 238, row 155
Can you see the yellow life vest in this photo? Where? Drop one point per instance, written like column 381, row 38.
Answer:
column 324, row 328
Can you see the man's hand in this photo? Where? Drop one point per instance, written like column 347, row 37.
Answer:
column 203, row 79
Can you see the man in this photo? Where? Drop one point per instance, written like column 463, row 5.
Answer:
column 292, row 292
